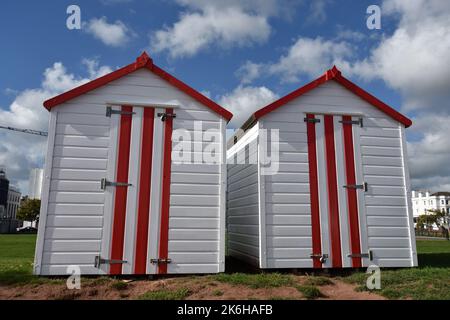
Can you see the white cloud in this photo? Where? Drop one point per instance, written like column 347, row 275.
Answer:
column 249, row 72
column 310, row 57
column 205, row 23
column 226, row 24
column 351, row 35
column 94, row 69
column 415, row 58
column 112, row 34
column 196, row 31
column 20, row 152
column 415, row 61
column 429, row 154
column 244, row 101
column 317, row 11
column 10, row 92
column 307, row 56
column 266, row 8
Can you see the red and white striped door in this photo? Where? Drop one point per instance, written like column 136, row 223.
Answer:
column 137, row 192
column 339, row 236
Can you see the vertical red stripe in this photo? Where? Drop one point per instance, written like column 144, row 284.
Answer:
column 333, row 205
column 352, row 199
column 120, row 200
column 314, row 191
column 144, row 191
column 165, row 198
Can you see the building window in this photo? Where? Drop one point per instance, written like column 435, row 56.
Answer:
column 442, row 202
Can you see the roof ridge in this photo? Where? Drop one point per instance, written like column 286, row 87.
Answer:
column 143, row 61
column 334, row 74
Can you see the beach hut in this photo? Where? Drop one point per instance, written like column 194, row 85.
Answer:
column 117, row 196
column 319, row 179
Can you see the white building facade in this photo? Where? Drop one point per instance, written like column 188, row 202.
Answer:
column 423, row 202
column 13, row 203
column 35, row 183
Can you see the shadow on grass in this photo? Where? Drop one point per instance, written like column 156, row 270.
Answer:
column 16, row 277
column 437, row 260
column 23, row 277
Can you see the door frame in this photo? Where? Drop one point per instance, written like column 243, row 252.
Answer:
column 132, row 201
column 340, row 165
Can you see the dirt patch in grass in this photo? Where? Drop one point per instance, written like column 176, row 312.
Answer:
column 190, row 287
column 256, row 281
column 340, row 290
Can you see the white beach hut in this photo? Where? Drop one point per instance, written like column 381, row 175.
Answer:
column 333, row 193
column 115, row 200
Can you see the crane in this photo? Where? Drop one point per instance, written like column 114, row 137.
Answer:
column 29, row 131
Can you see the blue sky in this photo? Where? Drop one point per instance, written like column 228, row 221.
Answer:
column 243, row 54
column 35, row 36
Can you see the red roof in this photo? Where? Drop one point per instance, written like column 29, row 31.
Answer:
column 335, row 74
column 144, row 61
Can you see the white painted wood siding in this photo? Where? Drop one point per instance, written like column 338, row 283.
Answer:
column 288, row 210
column 195, row 232
column 242, row 199
column 390, row 233
column 74, row 227
column 74, row 223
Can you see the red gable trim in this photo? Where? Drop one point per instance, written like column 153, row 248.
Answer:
column 335, row 74
column 144, row 61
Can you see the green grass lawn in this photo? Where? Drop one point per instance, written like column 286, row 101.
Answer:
column 430, row 281
column 16, row 258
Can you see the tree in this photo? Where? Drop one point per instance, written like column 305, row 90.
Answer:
column 431, row 218
column 29, row 210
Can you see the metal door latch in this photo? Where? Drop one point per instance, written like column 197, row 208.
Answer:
column 110, row 112
column 362, row 255
column 322, row 257
column 358, row 122
column 312, row 120
column 105, row 183
column 164, row 116
column 160, row 261
column 99, row 261
column 363, row 186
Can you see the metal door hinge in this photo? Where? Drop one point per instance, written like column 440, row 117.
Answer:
column 105, row 183
column 110, row 111
column 363, row 186
column 358, row 122
column 99, row 261
column 322, row 257
column 312, row 120
column 160, row 261
column 362, row 255
column 164, row 116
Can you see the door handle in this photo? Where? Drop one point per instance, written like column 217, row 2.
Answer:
column 363, row 186
column 105, row 183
